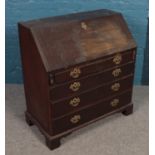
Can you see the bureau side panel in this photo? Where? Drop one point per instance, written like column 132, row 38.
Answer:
column 36, row 82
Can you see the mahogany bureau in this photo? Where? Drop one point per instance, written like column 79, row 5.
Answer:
column 77, row 68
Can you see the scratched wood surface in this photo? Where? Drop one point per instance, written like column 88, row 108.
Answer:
column 90, row 37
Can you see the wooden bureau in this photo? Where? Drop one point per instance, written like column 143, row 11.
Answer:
column 77, row 68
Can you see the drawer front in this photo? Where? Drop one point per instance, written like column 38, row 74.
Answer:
column 95, row 66
column 90, row 82
column 88, row 114
column 92, row 96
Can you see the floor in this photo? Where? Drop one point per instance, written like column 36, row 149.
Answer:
column 115, row 135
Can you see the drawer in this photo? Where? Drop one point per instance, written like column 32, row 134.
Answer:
column 80, row 117
column 89, row 82
column 65, row 106
column 85, row 69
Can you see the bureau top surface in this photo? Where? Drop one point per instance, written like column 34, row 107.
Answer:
column 71, row 39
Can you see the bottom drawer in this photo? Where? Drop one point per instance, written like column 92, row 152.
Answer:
column 88, row 114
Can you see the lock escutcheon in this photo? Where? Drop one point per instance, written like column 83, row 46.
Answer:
column 84, row 25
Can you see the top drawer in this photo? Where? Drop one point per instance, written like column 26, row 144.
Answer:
column 95, row 66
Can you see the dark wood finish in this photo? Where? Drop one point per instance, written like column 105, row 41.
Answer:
column 87, row 114
column 68, row 132
column 28, row 120
column 52, row 144
column 36, row 82
column 95, row 66
column 128, row 110
column 90, row 97
column 99, row 92
column 94, row 80
column 64, row 36
column 77, row 69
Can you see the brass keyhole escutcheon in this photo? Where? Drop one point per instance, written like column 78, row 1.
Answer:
column 84, row 25
column 117, row 59
column 75, row 73
column 114, row 102
column 116, row 72
column 75, row 119
column 115, row 87
column 75, row 86
column 75, row 101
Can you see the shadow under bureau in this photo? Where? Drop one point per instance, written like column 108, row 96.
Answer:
column 77, row 68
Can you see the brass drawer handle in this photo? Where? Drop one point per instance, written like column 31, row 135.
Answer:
column 117, row 59
column 75, row 73
column 115, row 86
column 114, row 102
column 75, row 86
column 75, row 102
column 116, row 72
column 75, row 119
column 84, row 26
